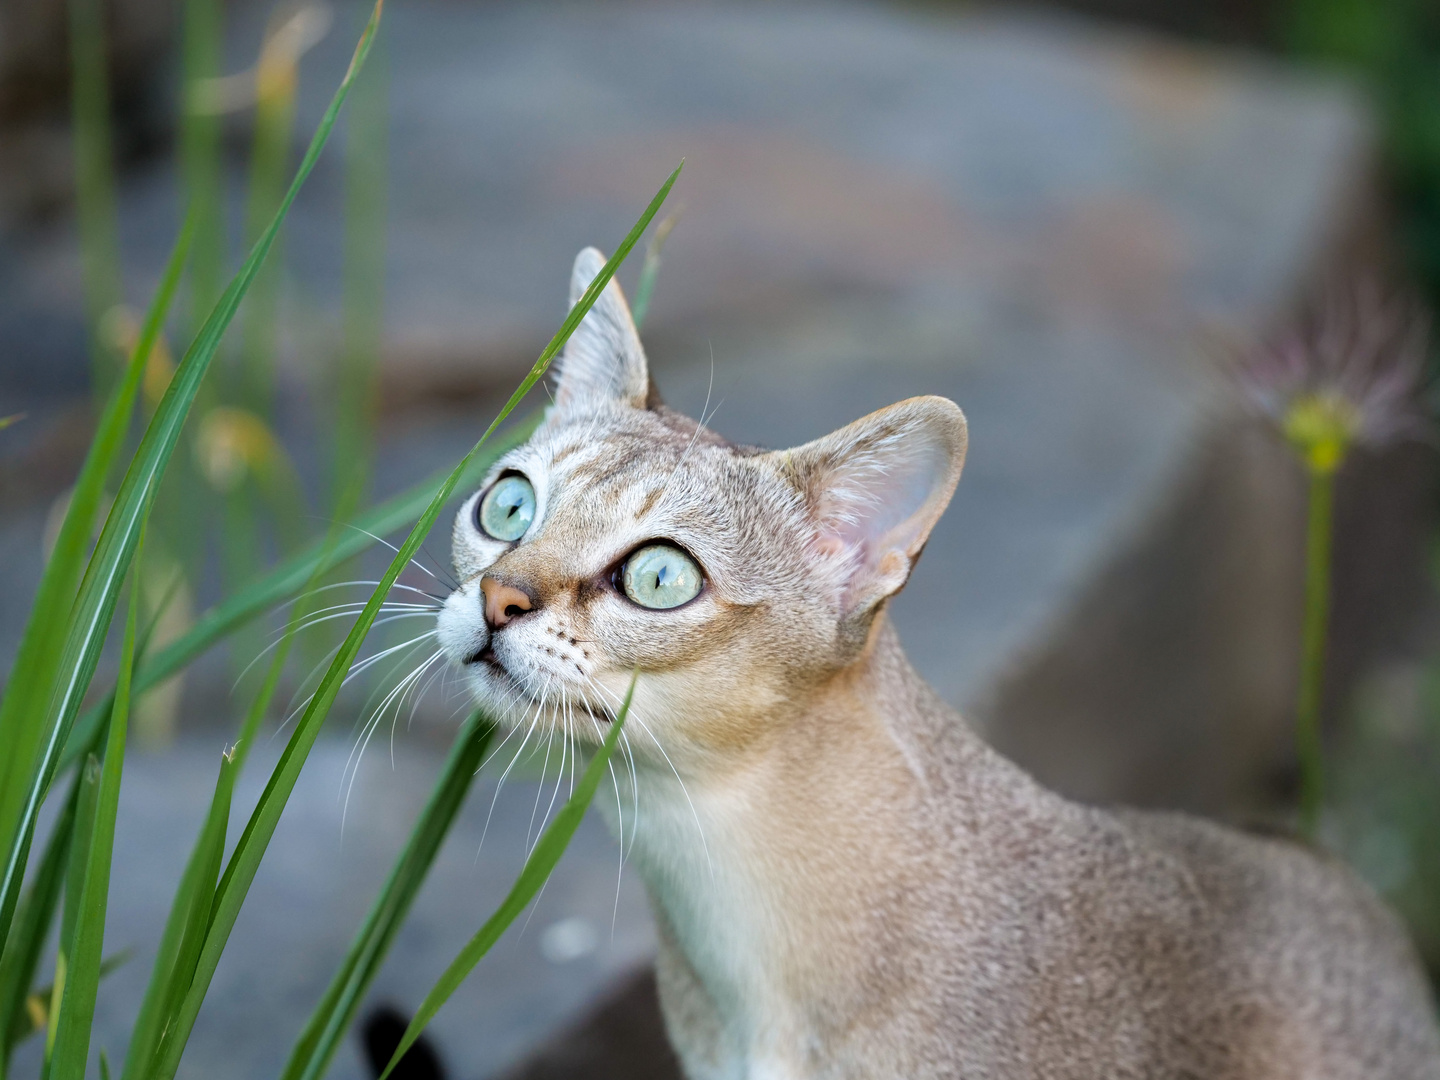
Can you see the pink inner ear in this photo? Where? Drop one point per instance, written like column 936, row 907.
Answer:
column 875, row 489
column 875, row 498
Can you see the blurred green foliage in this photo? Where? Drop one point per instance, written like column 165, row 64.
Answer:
column 1385, row 816
column 1394, row 45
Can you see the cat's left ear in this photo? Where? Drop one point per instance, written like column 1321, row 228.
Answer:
column 603, row 359
column 875, row 489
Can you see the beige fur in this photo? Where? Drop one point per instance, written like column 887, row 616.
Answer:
column 847, row 882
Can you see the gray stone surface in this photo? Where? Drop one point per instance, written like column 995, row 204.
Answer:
column 1030, row 216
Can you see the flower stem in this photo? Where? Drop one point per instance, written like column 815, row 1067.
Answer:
column 1319, row 530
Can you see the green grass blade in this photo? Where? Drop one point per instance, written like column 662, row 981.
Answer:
column 84, row 829
column 189, row 919
column 30, row 1022
column 357, row 365
column 274, row 118
column 32, row 927
column 37, row 911
column 210, row 852
column 336, row 1010
column 185, row 927
column 99, row 591
column 250, row 849
column 33, row 674
column 332, row 1017
column 201, row 152
column 650, row 268
column 290, row 578
column 86, row 956
column 94, row 180
column 535, row 873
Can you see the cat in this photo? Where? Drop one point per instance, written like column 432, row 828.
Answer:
column 845, row 880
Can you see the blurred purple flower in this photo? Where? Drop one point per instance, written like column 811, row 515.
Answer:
column 1353, row 374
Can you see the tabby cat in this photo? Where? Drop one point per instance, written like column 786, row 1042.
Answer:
column 847, row 882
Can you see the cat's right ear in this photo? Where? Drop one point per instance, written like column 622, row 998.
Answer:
column 874, row 490
column 603, row 360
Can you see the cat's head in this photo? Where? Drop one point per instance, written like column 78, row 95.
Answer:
column 624, row 537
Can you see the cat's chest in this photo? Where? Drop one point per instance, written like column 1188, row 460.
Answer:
column 717, row 912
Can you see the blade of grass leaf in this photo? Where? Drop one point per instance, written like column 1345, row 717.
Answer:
column 536, row 872
column 83, row 968
column 99, row 590
column 37, row 911
column 276, row 80
column 201, row 152
column 245, row 860
column 189, row 918
column 185, row 928
column 35, row 1016
column 356, row 383
column 210, row 851
column 650, row 268
column 33, row 674
column 335, row 1012
column 290, row 578
column 32, row 927
column 94, row 180
column 74, row 882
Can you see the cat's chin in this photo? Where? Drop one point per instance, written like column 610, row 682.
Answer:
column 513, row 702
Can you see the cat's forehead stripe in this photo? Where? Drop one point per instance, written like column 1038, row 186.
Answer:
column 564, row 452
column 648, row 503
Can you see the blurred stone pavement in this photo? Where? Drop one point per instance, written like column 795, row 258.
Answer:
column 1040, row 218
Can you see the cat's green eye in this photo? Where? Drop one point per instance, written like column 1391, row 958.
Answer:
column 508, row 508
column 661, row 576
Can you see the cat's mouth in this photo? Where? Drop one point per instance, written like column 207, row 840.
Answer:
column 491, row 663
column 486, row 656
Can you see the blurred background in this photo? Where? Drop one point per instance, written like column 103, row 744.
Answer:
column 1062, row 217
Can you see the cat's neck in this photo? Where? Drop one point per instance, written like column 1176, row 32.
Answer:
column 782, row 866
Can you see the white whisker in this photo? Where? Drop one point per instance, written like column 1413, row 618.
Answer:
column 380, row 540
column 373, row 724
column 501, row 782
column 634, row 713
column 309, row 621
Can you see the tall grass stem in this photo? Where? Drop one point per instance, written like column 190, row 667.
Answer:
column 357, row 369
column 95, row 183
column 536, row 871
column 200, row 154
column 332, row 1017
column 85, row 960
column 1318, row 536
column 250, row 849
column 94, row 606
column 36, row 670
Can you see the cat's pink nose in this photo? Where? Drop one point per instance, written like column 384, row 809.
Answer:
column 503, row 602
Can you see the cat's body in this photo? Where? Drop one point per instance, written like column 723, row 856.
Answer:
column 847, row 881
column 898, row 901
